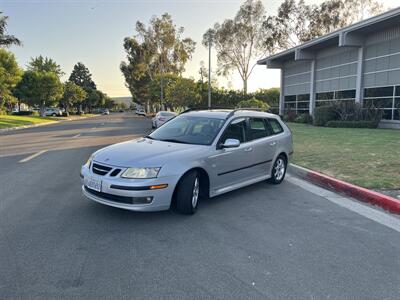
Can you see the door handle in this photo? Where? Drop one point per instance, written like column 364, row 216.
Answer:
column 272, row 143
column 248, row 149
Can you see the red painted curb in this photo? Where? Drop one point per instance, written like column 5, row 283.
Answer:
column 360, row 193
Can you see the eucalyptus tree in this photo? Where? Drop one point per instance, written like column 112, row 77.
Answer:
column 6, row 40
column 240, row 41
column 297, row 22
column 156, row 49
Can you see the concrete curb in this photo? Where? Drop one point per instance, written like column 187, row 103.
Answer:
column 354, row 191
column 4, row 130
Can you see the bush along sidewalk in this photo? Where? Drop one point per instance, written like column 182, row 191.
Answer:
column 347, row 114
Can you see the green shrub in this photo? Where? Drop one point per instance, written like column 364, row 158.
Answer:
column 352, row 124
column 26, row 113
column 290, row 116
column 303, row 118
column 324, row 114
column 253, row 103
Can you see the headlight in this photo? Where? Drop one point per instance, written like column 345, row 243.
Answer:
column 141, row 173
column 87, row 164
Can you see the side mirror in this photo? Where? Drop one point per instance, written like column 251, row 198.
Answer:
column 231, row 143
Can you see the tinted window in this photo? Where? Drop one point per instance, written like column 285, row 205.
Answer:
column 257, row 129
column 325, row 96
column 236, row 130
column 346, row 94
column 189, row 130
column 275, row 126
column 379, row 92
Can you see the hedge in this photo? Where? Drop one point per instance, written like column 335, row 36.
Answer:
column 25, row 113
column 352, row 124
column 324, row 114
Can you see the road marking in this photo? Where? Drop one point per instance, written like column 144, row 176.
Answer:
column 94, row 128
column 371, row 213
column 78, row 135
column 32, row 156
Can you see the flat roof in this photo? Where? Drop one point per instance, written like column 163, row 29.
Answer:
column 388, row 18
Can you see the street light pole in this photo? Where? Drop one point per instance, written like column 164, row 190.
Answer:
column 209, row 70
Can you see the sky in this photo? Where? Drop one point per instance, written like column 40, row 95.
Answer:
column 92, row 32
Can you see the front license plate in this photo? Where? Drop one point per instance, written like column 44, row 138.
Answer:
column 93, row 183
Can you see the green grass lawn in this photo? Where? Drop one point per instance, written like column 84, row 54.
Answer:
column 365, row 157
column 7, row 121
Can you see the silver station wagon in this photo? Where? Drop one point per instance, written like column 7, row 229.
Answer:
column 198, row 154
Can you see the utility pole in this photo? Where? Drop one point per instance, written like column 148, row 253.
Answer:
column 209, row 69
column 162, row 86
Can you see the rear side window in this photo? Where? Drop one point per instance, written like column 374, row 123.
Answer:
column 257, row 129
column 275, row 126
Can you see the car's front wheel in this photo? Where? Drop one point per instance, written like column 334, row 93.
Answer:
column 278, row 170
column 187, row 193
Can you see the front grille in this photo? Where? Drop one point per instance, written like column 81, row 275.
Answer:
column 120, row 199
column 100, row 169
column 115, row 172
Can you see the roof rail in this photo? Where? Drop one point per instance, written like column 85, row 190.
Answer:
column 241, row 108
column 204, row 108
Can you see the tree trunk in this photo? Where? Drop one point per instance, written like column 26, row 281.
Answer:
column 245, row 86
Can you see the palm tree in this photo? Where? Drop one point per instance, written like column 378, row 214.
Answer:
column 6, row 40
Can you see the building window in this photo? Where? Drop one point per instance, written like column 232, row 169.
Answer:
column 297, row 103
column 325, row 96
column 386, row 98
column 346, row 94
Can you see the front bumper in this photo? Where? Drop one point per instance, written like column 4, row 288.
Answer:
column 109, row 195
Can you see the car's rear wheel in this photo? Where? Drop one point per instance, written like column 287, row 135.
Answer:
column 187, row 193
column 278, row 170
column 54, row 115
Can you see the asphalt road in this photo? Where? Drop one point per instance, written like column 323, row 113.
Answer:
column 292, row 241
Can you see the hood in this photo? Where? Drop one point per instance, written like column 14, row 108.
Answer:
column 144, row 152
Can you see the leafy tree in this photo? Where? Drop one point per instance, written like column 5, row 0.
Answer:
column 39, row 88
column 240, row 41
column 154, row 50
column 95, row 98
column 269, row 96
column 45, row 64
column 183, row 92
column 6, row 40
column 297, row 22
column 253, row 103
column 73, row 95
column 10, row 75
column 81, row 76
column 334, row 14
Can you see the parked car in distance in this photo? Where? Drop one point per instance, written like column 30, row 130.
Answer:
column 161, row 117
column 105, row 112
column 53, row 111
column 121, row 110
column 141, row 112
column 197, row 154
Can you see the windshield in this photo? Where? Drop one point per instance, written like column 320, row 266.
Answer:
column 189, row 130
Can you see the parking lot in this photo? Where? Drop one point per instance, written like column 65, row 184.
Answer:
column 291, row 241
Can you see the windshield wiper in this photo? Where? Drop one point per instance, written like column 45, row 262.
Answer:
column 149, row 137
column 174, row 141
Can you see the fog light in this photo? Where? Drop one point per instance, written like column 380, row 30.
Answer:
column 142, row 200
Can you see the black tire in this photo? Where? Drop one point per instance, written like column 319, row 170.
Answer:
column 276, row 175
column 54, row 115
column 185, row 192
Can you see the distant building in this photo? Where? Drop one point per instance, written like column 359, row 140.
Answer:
column 358, row 63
